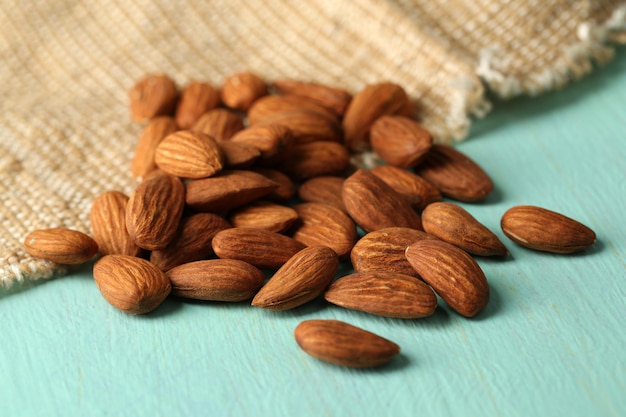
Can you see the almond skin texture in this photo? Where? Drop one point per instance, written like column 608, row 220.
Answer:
column 308, row 160
column 196, row 99
column 374, row 205
column 416, row 189
column 258, row 247
column 374, row 101
column 286, row 188
column 108, row 225
column 452, row 273
column 220, row 124
column 400, row 141
column 267, row 107
column 264, row 215
column 545, row 230
column 453, row 224
column 241, row 90
column 192, row 243
column 143, row 160
column 238, row 155
column 154, row 211
column 61, row 245
column 270, row 140
column 188, row 154
column 332, row 98
column 301, row 279
column 325, row 189
column 131, row 284
column 323, row 224
column 153, row 95
column 455, row 174
column 343, row 344
column 383, row 250
column 227, row 280
column 382, row 293
column 306, row 125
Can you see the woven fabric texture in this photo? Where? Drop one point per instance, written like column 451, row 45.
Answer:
column 66, row 67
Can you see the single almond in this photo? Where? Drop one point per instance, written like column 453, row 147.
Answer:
column 220, row 124
column 455, row 174
column 108, row 225
column 154, row 210
column 238, row 155
column 229, row 189
column 258, row 247
column 343, row 344
column 326, row 225
column 157, row 129
column 546, row 230
column 239, row 91
column 452, row 273
column 325, row 189
column 188, row 154
column 383, row 250
column 286, row 189
column 332, row 98
column 270, row 106
column 130, row 284
column 374, row 205
column 264, row 215
column 416, row 189
column 306, row 126
column 301, row 279
column 153, row 95
column 400, row 141
column 192, row 242
column 196, row 99
column 383, row 293
column 226, row 280
column 61, row 245
column 270, row 139
column 314, row 159
column 453, row 224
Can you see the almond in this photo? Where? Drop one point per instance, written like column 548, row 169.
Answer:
column 153, row 95
column 383, row 293
column 414, row 188
column 196, row 99
column 374, row 205
column 241, row 90
column 453, row 224
column 108, row 224
column 270, row 106
column 383, row 250
column 229, row 189
column 154, row 210
column 545, row 230
column 314, row 159
column 323, row 224
column 301, row 279
column 374, row 101
column 238, row 155
column 264, row 215
column 455, row 174
column 270, row 139
column 131, row 284
column 400, row 141
column 332, row 98
column 261, row 248
column 143, row 160
column 286, row 188
column 306, row 126
column 220, row 124
column 227, row 280
column 188, row 154
column 192, row 243
column 61, row 245
column 325, row 189
column 452, row 273
column 343, row 344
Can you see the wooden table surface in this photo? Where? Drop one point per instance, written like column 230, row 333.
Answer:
column 551, row 342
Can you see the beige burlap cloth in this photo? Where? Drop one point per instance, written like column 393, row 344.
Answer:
column 66, row 66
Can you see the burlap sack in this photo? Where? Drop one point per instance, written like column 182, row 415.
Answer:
column 66, row 66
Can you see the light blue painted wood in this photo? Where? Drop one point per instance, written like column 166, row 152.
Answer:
column 550, row 343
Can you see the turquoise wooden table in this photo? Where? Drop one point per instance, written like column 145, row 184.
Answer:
column 552, row 341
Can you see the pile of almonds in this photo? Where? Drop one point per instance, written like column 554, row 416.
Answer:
column 254, row 180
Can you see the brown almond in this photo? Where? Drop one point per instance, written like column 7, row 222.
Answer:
column 196, row 99
column 238, row 155
column 270, row 140
column 314, row 159
column 220, row 124
column 325, row 225
column 227, row 280
column 270, row 106
column 227, row 190
column 239, row 91
column 157, row 129
column 416, row 189
column 343, row 344
column 286, row 188
column 188, row 154
column 325, row 189
column 453, row 224
column 61, row 245
column 301, row 279
column 383, row 293
column 452, row 273
column 332, row 98
column 153, row 95
column 374, row 101
column 258, row 247
column 154, row 210
column 383, row 250
column 108, row 225
column 131, row 284
column 264, row 215
column 400, row 141
column 306, row 126
column 455, row 174
column 374, row 205
column 192, row 243
column 546, row 230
